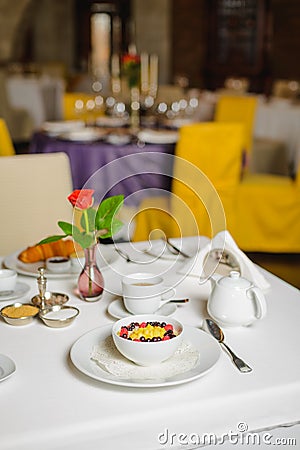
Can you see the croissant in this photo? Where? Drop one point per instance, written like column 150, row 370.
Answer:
column 40, row 252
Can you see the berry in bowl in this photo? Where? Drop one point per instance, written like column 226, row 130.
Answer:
column 147, row 339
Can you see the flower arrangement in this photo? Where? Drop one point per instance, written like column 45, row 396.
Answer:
column 95, row 224
column 131, row 67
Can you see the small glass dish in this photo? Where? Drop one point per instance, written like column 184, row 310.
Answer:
column 58, row 264
column 51, row 299
column 58, row 316
column 19, row 313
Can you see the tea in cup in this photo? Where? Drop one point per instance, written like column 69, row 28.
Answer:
column 8, row 281
column 145, row 293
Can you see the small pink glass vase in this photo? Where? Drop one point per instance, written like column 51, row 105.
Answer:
column 90, row 280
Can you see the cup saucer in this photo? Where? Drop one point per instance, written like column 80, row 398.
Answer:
column 117, row 309
column 20, row 290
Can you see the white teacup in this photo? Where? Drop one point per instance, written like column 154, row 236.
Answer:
column 8, row 281
column 145, row 293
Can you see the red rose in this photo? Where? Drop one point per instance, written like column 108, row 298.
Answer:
column 127, row 59
column 81, row 198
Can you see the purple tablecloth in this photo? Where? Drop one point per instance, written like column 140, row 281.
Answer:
column 133, row 170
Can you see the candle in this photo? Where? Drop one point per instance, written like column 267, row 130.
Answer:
column 153, row 74
column 144, row 73
column 115, row 74
column 115, row 65
column 100, row 35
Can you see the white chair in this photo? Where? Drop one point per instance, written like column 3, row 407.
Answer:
column 18, row 119
column 27, row 93
column 35, row 190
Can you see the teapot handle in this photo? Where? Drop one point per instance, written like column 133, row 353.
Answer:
column 260, row 302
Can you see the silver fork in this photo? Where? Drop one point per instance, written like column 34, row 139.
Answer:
column 176, row 249
column 125, row 255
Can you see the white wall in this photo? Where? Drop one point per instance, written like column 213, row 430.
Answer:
column 11, row 13
column 53, row 31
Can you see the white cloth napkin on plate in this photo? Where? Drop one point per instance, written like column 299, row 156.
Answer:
column 224, row 241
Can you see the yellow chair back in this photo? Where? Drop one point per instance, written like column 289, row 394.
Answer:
column 79, row 105
column 238, row 109
column 6, row 144
column 206, row 175
column 207, row 171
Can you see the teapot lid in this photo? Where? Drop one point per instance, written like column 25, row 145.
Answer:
column 234, row 280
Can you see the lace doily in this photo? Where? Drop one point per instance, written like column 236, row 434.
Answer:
column 106, row 355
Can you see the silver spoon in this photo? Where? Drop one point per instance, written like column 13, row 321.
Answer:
column 218, row 334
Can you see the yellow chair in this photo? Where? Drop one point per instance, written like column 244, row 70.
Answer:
column 268, row 214
column 36, row 189
column 80, row 106
column 6, row 144
column 207, row 170
column 238, row 109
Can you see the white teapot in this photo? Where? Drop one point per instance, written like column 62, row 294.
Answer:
column 235, row 301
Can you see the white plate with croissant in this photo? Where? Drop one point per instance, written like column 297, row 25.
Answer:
column 36, row 258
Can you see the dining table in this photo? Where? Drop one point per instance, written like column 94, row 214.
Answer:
column 134, row 168
column 57, row 398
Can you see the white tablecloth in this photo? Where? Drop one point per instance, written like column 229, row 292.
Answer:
column 41, row 96
column 47, row 404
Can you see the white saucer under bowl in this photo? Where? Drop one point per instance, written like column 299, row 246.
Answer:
column 117, row 309
column 7, row 367
column 20, row 290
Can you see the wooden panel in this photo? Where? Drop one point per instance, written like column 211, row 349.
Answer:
column 286, row 41
column 189, row 18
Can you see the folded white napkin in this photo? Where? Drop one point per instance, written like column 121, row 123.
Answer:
column 224, row 241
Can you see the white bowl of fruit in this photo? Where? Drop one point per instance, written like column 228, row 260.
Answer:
column 147, row 339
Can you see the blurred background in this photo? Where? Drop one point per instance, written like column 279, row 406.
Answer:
column 196, row 49
column 198, row 42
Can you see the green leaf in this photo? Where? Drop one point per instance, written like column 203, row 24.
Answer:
column 54, row 238
column 107, row 210
column 116, row 225
column 66, row 227
column 85, row 240
column 91, row 214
